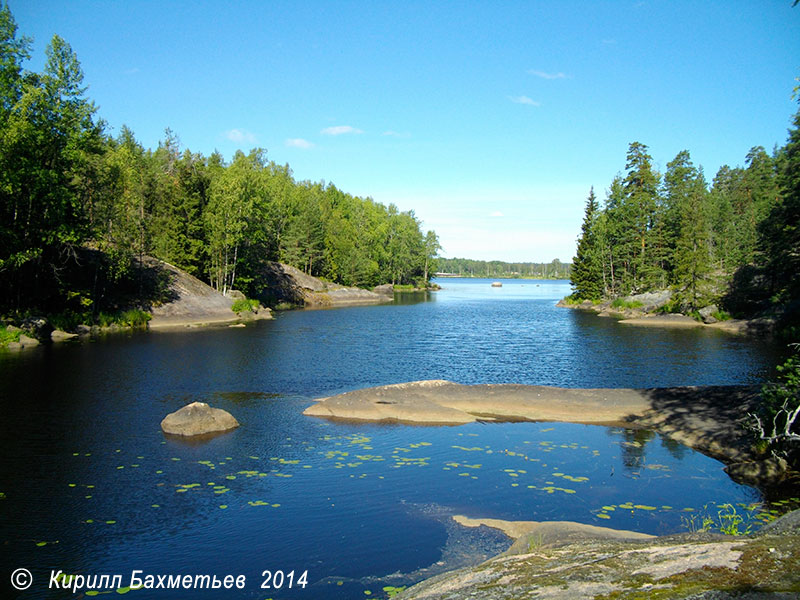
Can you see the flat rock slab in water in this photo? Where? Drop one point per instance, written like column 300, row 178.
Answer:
column 198, row 418
column 711, row 419
column 445, row 402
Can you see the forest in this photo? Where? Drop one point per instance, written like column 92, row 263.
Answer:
column 80, row 209
column 464, row 267
column 734, row 242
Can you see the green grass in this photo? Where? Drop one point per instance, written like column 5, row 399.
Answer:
column 244, row 305
column 6, row 336
column 573, row 300
column 69, row 320
column 285, row 306
column 622, row 303
column 134, row 318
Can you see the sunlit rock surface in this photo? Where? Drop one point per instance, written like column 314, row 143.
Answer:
column 198, row 418
column 569, row 560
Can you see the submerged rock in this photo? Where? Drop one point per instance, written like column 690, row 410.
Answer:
column 198, row 418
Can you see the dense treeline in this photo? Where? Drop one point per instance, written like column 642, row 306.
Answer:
column 69, row 189
column 735, row 241
column 464, row 267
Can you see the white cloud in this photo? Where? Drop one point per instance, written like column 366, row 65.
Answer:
column 545, row 75
column 496, row 213
column 396, row 134
column 298, row 143
column 340, row 130
column 240, row 135
column 524, row 100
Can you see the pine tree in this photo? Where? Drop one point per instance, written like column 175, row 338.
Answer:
column 691, row 262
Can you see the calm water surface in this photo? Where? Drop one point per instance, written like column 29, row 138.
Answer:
column 92, row 486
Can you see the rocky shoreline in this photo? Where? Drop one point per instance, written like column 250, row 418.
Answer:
column 290, row 287
column 553, row 560
column 645, row 310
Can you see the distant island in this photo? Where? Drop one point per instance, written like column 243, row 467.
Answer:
column 464, row 267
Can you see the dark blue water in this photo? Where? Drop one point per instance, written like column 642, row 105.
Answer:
column 90, row 484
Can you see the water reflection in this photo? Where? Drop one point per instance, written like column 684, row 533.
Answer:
column 85, row 468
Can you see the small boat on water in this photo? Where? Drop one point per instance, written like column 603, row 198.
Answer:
column 497, row 284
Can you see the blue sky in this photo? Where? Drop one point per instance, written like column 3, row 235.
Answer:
column 491, row 120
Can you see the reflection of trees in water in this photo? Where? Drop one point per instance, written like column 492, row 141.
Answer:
column 676, row 449
column 633, row 446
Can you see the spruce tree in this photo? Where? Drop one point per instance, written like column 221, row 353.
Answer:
column 587, row 273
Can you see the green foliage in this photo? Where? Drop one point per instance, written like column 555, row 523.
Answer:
column 734, row 244
column 586, row 274
column 777, row 421
column 6, row 336
column 69, row 320
column 134, row 318
column 727, row 519
column 626, row 304
column 244, row 305
column 66, row 187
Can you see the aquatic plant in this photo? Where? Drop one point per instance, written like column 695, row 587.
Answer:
column 730, row 521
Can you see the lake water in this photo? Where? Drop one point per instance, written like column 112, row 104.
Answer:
column 91, row 486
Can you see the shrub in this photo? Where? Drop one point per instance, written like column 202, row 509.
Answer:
column 622, row 303
column 130, row 318
column 244, row 305
column 6, row 336
column 68, row 320
column 134, row 318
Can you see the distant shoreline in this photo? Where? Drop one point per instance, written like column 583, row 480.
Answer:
column 505, row 276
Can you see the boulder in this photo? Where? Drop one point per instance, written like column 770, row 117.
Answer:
column 284, row 284
column 387, row 289
column 707, row 314
column 27, row 342
column 651, row 300
column 198, row 418
column 61, row 336
column 83, row 329
column 37, row 327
